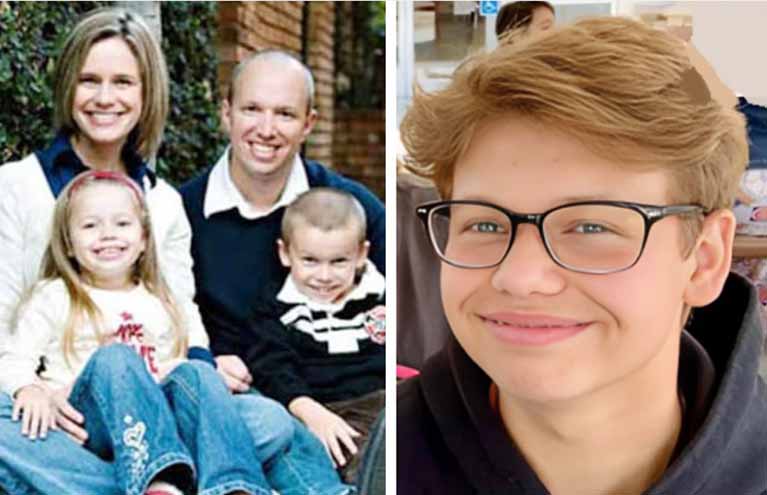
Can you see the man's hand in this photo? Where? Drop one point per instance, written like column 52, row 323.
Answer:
column 34, row 406
column 329, row 427
column 235, row 373
column 69, row 419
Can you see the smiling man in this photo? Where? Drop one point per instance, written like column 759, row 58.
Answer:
column 601, row 346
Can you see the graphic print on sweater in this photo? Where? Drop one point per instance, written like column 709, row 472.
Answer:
column 131, row 333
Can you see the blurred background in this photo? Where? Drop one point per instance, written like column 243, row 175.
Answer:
column 433, row 37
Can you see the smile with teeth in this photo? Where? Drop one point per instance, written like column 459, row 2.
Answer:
column 530, row 325
column 104, row 117
column 532, row 330
column 263, row 150
column 323, row 290
column 109, row 252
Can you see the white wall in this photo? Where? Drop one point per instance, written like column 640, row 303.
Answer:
column 732, row 35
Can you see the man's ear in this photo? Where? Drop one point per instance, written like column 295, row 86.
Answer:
column 712, row 255
column 226, row 114
column 311, row 120
column 364, row 249
column 282, row 252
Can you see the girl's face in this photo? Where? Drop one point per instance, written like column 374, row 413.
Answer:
column 106, row 234
column 107, row 102
column 615, row 328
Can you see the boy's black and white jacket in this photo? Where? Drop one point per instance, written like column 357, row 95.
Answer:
column 294, row 346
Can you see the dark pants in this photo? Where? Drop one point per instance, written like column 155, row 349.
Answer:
column 360, row 413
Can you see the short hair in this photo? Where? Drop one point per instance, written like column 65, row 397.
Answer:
column 327, row 209
column 517, row 15
column 273, row 55
column 627, row 91
column 99, row 25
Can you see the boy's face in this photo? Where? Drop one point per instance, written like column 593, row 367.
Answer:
column 620, row 327
column 323, row 264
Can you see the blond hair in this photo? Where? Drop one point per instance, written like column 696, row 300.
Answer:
column 324, row 208
column 625, row 90
column 99, row 25
column 59, row 263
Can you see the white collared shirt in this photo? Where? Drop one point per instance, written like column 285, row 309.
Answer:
column 222, row 194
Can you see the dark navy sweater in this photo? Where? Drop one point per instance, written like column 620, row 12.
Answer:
column 450, row 440
column 235, row 258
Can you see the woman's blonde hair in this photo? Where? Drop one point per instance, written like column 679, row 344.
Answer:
column 627, row 91
column 99, row 25
column 59, row 263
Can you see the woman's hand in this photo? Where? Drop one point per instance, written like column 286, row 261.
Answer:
column 329, row 427
column 34, row 405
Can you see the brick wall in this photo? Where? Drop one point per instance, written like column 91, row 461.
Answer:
column 359, row 147
column 319, row 58
column 245, row 27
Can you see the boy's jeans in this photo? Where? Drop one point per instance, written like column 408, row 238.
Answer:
column 58, row 465
column 305, row 469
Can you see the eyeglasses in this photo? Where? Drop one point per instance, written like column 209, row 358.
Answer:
column 597, row 237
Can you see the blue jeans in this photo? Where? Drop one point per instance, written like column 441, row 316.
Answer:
column 270, row 425
column 294, row 460
column 137, row 430
column 211, row 428
column 53, row 465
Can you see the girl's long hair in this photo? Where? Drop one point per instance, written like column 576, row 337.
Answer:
column 59, row 263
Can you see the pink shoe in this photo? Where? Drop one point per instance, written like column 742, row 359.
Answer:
column 162, row 488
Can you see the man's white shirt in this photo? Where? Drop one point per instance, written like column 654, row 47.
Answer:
column 222, row 194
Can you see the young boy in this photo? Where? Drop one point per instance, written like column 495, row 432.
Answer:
column 600, row 344
column 319, row 346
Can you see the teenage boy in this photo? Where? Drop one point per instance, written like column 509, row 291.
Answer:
column 600, row 344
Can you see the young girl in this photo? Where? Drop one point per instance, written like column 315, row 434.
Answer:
column 106, row 329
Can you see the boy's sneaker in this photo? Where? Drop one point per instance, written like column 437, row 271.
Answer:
column 162, row 488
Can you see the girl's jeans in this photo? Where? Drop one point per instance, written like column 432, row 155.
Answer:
column 186, row 429
column 294, row 460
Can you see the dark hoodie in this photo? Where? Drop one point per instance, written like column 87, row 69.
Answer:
column 451, row 441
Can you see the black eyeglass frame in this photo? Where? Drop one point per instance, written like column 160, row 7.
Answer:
column 650, row 213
